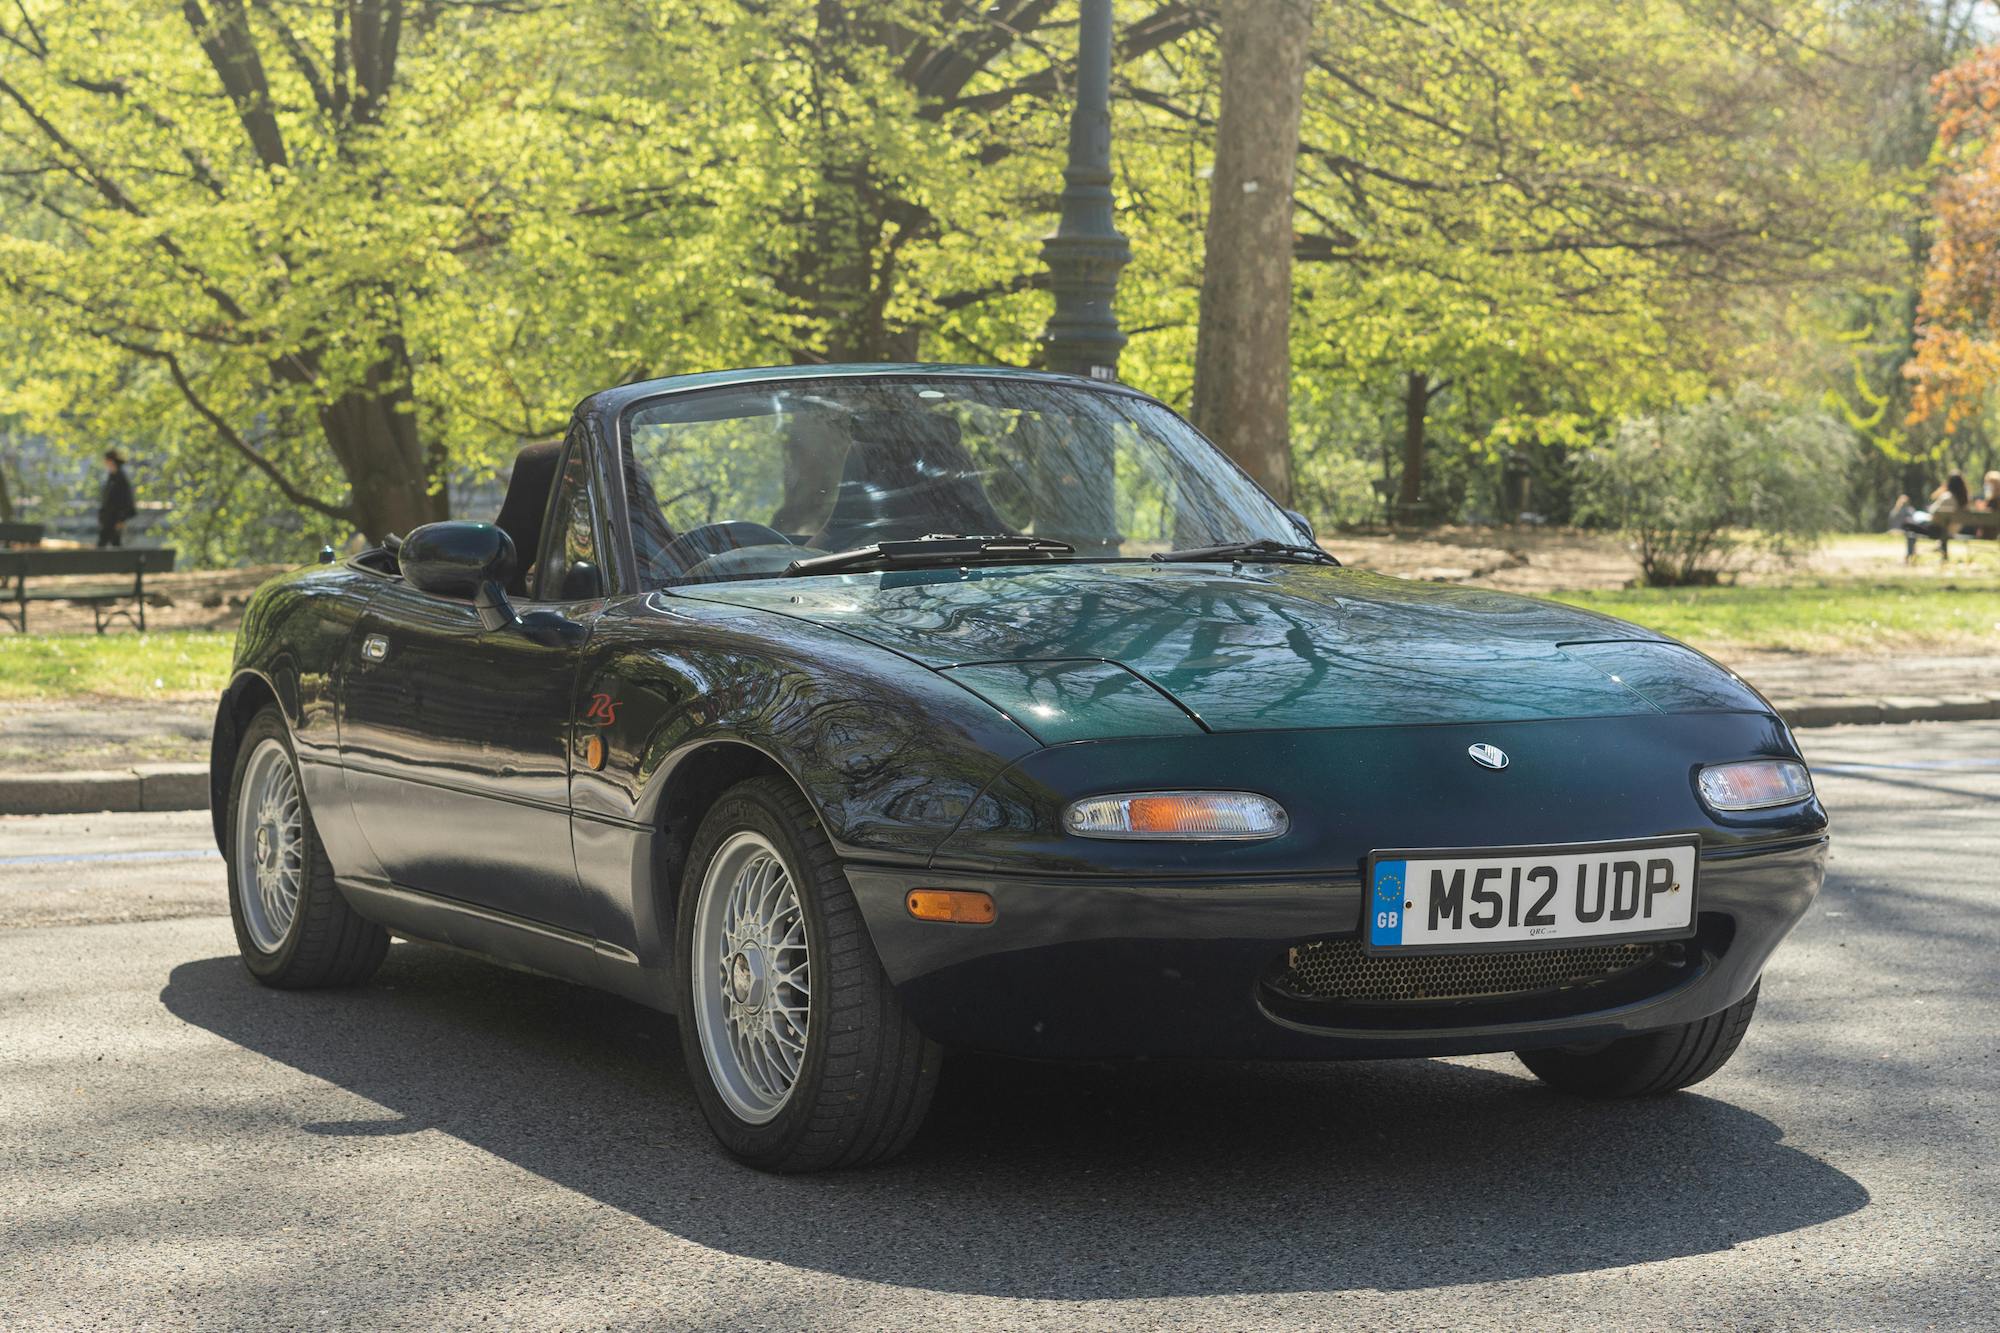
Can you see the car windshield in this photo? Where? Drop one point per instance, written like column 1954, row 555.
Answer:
column 744, row 482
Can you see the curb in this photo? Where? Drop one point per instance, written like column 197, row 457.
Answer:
column 1864, row 712
column 185, row 786
column 141, row 787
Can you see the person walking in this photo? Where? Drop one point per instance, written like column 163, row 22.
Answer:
column 115, row 505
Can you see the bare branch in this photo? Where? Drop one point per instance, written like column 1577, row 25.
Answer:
column 229, row 433
column 232, row 52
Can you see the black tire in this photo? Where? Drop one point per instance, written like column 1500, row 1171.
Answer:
column 867, row 1074
column 1649, row 1064
column 326, row 944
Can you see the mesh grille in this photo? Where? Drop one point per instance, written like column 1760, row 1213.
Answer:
column 1340, row 970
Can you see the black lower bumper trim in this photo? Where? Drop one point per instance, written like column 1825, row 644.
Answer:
column 1104, row 970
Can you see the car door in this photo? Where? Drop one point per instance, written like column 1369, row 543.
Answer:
column 456, row 738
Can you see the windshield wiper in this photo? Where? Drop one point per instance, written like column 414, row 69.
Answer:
column 933, row 550
column 1262, row 549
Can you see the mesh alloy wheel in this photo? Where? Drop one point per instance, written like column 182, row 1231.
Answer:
column 270, row 845
column 797, row 1049
column 293, row 926
column 752, row 977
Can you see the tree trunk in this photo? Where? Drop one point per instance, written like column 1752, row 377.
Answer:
column 1242, row 360
column 372, row 429
column 6, row 499
column 1416, row 403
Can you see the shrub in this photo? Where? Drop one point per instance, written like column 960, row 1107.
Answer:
column 1697, row 488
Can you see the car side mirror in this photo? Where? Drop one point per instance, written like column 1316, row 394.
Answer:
column 1304, row 524
column 475, row 561
column 551, row 629
column 455, row 559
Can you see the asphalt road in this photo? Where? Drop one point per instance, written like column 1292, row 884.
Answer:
column 458, row 1145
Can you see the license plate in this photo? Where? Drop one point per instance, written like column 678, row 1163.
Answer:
column 1440, row 900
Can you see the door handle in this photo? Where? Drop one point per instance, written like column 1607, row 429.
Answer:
column 375, row 647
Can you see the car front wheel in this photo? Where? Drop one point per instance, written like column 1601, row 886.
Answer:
column 293, row 928
column 799, row 1052
column 1650, row 1063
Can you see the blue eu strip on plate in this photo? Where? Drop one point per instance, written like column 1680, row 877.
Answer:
column 1385, row 920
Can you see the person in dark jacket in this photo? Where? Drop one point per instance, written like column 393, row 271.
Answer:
column 115, row 505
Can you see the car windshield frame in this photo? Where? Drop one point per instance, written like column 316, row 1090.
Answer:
column 622, row 446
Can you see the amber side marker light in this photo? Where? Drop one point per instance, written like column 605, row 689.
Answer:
column 967, row 907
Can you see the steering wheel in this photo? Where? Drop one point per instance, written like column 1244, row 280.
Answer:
column 697, row 545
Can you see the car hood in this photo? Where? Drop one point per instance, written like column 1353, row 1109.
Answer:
column 1081, row 651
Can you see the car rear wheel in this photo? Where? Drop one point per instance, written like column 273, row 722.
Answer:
column 293, row 928
column 1648, row 1064
column 799, row 1052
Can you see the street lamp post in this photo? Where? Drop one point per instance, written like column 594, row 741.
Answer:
column 1087, row 251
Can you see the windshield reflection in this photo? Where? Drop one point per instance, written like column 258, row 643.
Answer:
column 743, row 482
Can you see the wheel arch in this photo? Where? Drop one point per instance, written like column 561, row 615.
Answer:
column 686, row 788
column 247, row 692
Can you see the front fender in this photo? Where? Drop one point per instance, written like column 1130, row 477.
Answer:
column 890, row 754
column 289, row 652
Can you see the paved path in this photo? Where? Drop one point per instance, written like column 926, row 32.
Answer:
column 1819, row 688
column 458, row 1146
column 41, row 735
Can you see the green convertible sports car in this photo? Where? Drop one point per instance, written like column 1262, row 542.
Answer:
column 855, row 714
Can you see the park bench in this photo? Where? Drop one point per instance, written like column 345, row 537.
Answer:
column 21, row 534
column 1983, row 522
column 1967, row 522
column 18, row 567
column 1971, row 523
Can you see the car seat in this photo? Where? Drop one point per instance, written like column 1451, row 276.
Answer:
column 907, row 475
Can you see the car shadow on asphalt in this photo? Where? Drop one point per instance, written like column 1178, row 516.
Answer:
column 1051, row 1182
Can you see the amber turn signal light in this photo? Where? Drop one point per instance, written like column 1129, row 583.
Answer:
column 967, row 907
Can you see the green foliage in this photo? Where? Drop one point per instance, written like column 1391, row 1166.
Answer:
column 340, row 252
column 1553, row 210
column 307, row 299
column 1696, row 488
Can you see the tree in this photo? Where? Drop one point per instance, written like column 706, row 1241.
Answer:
column 1697, row 487
column 1534, row 217
column 1242, row 368
column 1866, row 333
column 368, row 245
column 1957, row 360
column 365, row 248
column 325, row 232
column 908, row 153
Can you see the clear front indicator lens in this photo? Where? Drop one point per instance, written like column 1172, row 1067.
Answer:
column 1183, row 815
column 1755, row 785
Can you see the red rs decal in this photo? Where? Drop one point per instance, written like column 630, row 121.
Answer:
column 603, row 711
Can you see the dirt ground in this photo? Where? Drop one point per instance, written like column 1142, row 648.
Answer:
column 59, row 735
column 1526, row 560
column 196, row 599
column 1544, row 560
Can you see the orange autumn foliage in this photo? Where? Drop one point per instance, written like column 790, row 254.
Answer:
column 1957, row 358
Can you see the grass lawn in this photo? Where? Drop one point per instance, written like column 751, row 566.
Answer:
column 1868, row 602
column 1947, row 613
column 171, row 665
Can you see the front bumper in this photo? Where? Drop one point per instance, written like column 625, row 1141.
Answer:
column 1083, row 968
